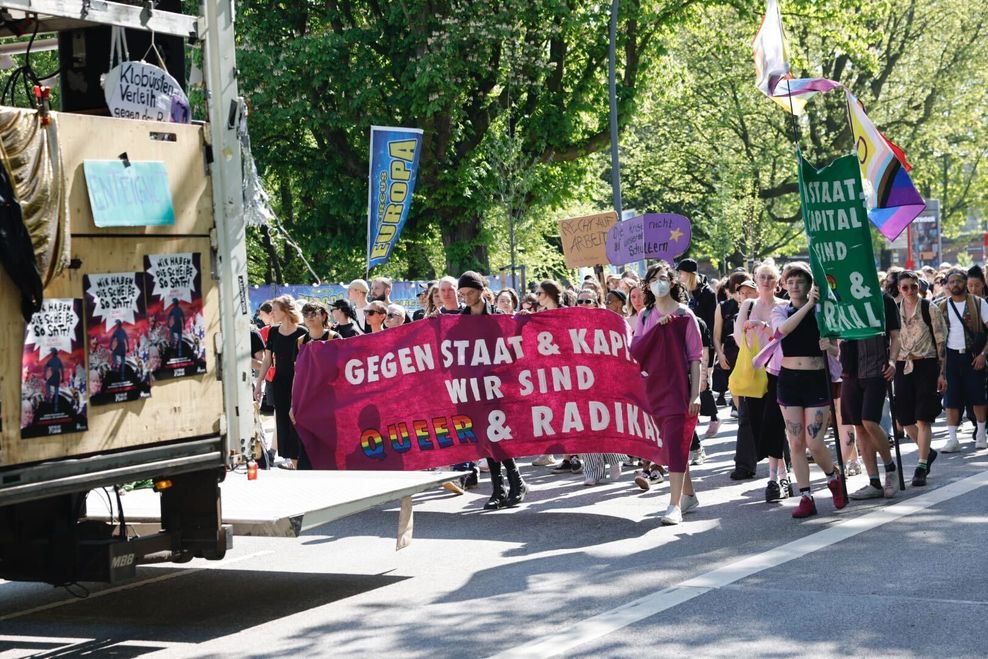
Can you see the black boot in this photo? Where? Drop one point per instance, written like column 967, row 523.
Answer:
column 498, row 498
column 517, row 489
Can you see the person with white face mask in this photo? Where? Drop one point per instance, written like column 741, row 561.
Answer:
column 668, row 346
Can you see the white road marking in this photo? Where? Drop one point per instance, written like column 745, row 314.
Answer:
column 591, row 629
column 130, row 586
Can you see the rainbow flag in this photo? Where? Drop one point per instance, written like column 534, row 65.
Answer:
column 771, row 67
column 803, row 88
column 892, row 199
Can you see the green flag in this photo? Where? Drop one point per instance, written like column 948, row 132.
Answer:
column 841, row 256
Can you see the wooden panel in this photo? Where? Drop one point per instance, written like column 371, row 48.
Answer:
column 179, row 408
column 82, row 137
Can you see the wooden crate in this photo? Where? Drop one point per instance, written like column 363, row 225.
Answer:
column 180, row 408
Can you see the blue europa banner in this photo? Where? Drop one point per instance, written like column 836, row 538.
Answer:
column 394, row 163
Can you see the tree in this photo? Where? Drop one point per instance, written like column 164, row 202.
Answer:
column 318, row 74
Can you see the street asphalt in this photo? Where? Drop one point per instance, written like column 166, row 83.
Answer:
column 574, row 571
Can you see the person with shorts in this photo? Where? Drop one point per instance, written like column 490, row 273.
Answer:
column 804, row 389
column 866, row 368
column 919, row 374
column 965, row 315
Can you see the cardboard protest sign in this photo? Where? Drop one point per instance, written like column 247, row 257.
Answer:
column 450, row 389
column 176, row 325
column 841, row 255
column 53, row 372
column 662, row 236
column 117, row 327
column 585, row 239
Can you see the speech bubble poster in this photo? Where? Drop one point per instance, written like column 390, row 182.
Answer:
column 117, row 329
column 53, row 371
column 176, row 325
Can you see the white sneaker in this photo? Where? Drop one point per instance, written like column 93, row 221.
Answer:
column 852, row 468
column 483, row 466
column 980, row 443
column 712, row 429
column 891, row 483
column 952, row 446
column 544, row 461
column 698, row 457
column 688, row 502
column 614, row 471
column 590, row 482
column 672, row 517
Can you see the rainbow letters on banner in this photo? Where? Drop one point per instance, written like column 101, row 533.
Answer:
column 454, row 388
column 394, row 164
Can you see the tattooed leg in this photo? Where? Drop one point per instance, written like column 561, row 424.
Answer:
column 817, row 420
column 795, row 425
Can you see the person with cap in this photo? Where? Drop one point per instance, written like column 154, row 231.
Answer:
column 470, row 288
column 617, row 301
column 376, row 313
column 423, row 297
column 703, row 303
column 357, row 295
column 396, row 316
column 345, row 319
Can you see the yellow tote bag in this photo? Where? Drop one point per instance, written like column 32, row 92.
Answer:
column 746, row 380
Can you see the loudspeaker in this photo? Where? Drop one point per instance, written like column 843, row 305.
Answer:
column 84, row 56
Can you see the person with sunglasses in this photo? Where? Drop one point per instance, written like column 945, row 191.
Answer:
column 396, row 316
column 376, row 313
column 919, row 371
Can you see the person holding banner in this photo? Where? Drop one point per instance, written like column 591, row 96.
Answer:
column 376, row 313
column 549, row 296
column 471, row 288
column 804, row 392
column 345, row 320
column 668, row 346
column 357, row 292
column 447, row 296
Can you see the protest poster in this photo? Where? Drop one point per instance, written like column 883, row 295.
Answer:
column 660, row 236
column 53, row 371
column 585, row 239
column 176, row 325
column 117, row 330
column 394, row 164
column 453, row 388
column 138, row 90
column 841, row 254
column 133, row 194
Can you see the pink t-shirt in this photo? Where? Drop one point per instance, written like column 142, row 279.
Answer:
column 694, row 343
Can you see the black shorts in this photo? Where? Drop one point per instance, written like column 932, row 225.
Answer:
column 916, row 397
column 862, row 399
column 965, row 386
column 803, row 388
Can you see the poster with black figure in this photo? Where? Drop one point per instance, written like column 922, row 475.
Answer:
column 177, row 327
column 117, row 330
column 53, row 371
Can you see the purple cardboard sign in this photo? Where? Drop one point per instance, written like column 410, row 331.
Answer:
column 667, row 236
column 650, row 236
column 626, row 241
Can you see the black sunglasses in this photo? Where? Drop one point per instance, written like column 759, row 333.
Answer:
column 584, row 301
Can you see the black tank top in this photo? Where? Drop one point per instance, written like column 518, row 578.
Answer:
column 804, row 341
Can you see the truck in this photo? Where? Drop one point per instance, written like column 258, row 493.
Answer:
column 187, row 433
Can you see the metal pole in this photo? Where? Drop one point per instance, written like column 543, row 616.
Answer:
column 612, row 82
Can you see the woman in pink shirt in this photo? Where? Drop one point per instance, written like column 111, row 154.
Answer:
column 668, row 346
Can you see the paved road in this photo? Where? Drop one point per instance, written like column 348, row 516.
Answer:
column 575, row 571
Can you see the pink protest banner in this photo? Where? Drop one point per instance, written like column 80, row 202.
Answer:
column 456, row 388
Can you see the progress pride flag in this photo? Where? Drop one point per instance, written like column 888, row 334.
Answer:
column 456, row 388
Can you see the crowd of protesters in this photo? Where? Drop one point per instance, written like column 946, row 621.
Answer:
column 931, row 355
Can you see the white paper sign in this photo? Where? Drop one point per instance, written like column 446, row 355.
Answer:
column 138, row 90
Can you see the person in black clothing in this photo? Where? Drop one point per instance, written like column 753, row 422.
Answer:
column 471, row 287
column 424, row 292
column 739, row 287
column 282, row 349
column 54, row 372
column 176, row 326
column 703, row 304
column 346, row 319
column 119, row 344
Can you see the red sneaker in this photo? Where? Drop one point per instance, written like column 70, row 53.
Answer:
column 835, row 488
column 806, row 508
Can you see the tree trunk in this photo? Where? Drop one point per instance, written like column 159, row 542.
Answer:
column 461, row 237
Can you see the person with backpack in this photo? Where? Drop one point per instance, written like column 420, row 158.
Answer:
column 965, row 315
column 919, row 371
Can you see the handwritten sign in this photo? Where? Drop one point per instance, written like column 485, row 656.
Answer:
column 129, row 195
column 585, row 239
column 650, row 236
column 138, row 90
